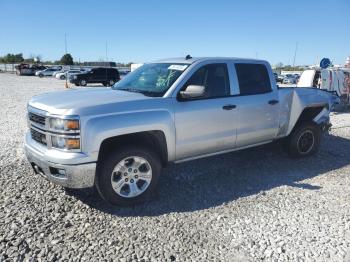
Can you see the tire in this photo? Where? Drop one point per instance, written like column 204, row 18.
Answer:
column 304, row 140
column 41, row 75
column 82, row 82
column 76, row 84
column 62, row 77
column 111, row 82
column 109, row 172
column 104, row 84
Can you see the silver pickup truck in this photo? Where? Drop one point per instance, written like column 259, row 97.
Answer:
column 119, row 138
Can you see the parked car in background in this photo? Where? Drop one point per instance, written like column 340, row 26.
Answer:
column 58, row 72
column 28, row 69
column 47, row 72
column 67, row 74
column 289, row 79
column 119, row 139
column 106, row 76
column 297, row 77
column 280, row 78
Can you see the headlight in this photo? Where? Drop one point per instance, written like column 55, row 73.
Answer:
column 64, row 124
column 65, row 143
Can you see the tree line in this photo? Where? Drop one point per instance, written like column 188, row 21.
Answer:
column 66, row 59
column 280, row 66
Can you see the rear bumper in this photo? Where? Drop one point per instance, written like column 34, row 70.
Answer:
column 80, row 175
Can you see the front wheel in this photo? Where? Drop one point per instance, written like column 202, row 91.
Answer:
column 128, row 176
column 304, row 140
column 62, row 77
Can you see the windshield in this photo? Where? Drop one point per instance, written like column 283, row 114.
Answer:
column 151, row 79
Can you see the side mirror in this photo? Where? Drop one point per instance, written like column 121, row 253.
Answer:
column 192, row 91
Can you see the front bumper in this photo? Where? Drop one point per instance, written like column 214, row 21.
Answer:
column 80, row 175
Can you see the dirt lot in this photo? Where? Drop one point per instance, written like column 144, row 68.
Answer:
column 252, row 205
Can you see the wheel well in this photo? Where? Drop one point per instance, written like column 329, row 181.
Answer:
column 308, row 114
column 153, row 139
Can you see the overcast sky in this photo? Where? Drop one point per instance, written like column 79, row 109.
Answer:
column 140, row 31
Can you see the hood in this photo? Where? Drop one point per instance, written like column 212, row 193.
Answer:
column 71, row 101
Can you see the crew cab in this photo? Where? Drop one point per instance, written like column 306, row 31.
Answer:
column 106, row 76
column 119, row 138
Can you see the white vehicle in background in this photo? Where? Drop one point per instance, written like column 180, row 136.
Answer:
column 330, row 79
column 58, row 72
column 47, row 72
column 67, row 74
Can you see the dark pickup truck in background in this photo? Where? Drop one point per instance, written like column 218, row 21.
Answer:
column 105, row 76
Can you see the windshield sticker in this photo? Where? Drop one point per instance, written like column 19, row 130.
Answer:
column 177, row 67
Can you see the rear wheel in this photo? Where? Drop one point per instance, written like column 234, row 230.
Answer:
column 111, row 82
column 62, row 77
column 128, row 176
column 83, row 82
column 304, row 140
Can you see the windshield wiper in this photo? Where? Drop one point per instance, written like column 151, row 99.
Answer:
column 144, row 92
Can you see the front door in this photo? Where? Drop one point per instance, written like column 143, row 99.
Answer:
column 207, row 124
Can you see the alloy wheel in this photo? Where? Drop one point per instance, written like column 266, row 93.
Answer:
column 131, row 176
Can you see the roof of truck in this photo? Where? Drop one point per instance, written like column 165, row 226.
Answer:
column 191, row 60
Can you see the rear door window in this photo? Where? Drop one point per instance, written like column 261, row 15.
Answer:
column 253, row 79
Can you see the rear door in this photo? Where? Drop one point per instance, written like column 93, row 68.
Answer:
column 100, row 75
column 257, row 104
column 90, row 75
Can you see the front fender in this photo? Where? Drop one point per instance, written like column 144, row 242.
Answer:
column 100, row 128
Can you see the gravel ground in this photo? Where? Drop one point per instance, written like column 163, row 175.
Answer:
column 251, row 205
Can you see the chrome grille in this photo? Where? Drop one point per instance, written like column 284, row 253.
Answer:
column 37, row 119
column 38, row 137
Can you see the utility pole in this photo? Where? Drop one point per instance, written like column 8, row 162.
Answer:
column 65, row 42
column 106, row 53
column 295, row 53
column 106, row 60
column 65, row 48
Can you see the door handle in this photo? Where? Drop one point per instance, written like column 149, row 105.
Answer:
column 228, row 107
column 273, row 102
